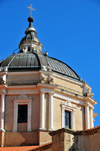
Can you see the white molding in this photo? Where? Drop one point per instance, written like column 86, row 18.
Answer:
column 45, row 90
column 17, row 92
column 51, row 111
column 91, row 115
column 46, row 72
column 68, row 79
column 22, row 100
column 71, row 109
column 22, row 86
column 22, row 96
column 87, row 124
column 87, row 103
column 90, row 99
column 57, row 94
column 66, row 92
column 73, row 100
column 87, row 86
column 42, row 111
column 46, row 85
column 2, row 110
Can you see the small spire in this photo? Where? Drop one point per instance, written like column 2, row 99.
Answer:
column 31, row 8
column 30, row 20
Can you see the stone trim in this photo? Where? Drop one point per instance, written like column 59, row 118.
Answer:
column 68, row 107
column 22, row 99
column 91, row 131
column 70, row 131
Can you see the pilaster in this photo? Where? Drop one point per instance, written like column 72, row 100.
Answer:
column 87, row 116
column 29, row 116
column 91, row 114
column 51, row 111
column 73, row 120
column 2, row 109
column 15, row 116
column 42, row 110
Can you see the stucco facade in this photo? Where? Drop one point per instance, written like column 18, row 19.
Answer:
column 70, row 98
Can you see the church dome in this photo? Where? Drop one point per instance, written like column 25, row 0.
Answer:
column 31, row 58
column 36, row 61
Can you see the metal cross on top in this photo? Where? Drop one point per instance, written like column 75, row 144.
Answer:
column 30, row 9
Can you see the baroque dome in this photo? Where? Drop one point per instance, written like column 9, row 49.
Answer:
column 36, row 61
column 31, row 58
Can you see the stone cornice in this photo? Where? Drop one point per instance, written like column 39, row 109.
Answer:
column 87, row 103
column 22, row 87
column 92, row 101
column 62, row 130
column 45, row 72
column 68, row 79
column 87, row 86
column 70, row 98
column 70, row 131
column 39, row 85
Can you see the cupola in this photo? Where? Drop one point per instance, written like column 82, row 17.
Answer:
column 30, row 42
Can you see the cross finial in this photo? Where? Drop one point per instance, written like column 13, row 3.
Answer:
column 30, row 9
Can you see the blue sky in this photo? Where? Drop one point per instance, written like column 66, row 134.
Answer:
column 69, row 30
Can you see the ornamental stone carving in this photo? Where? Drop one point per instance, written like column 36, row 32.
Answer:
column 45, row 68
column 3, row 79
column 68, row 103
column 51, row 79
column 22, row 96
column 42, row 77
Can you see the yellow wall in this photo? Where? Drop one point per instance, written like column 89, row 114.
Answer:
column 23, row 79
column 21, row 138
column 21, row 127
column 35, row 111
column 57, row 113
column 79, row 117
column 67, row 84
column 57, row 116
column 9, row 114
column 44, row 137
